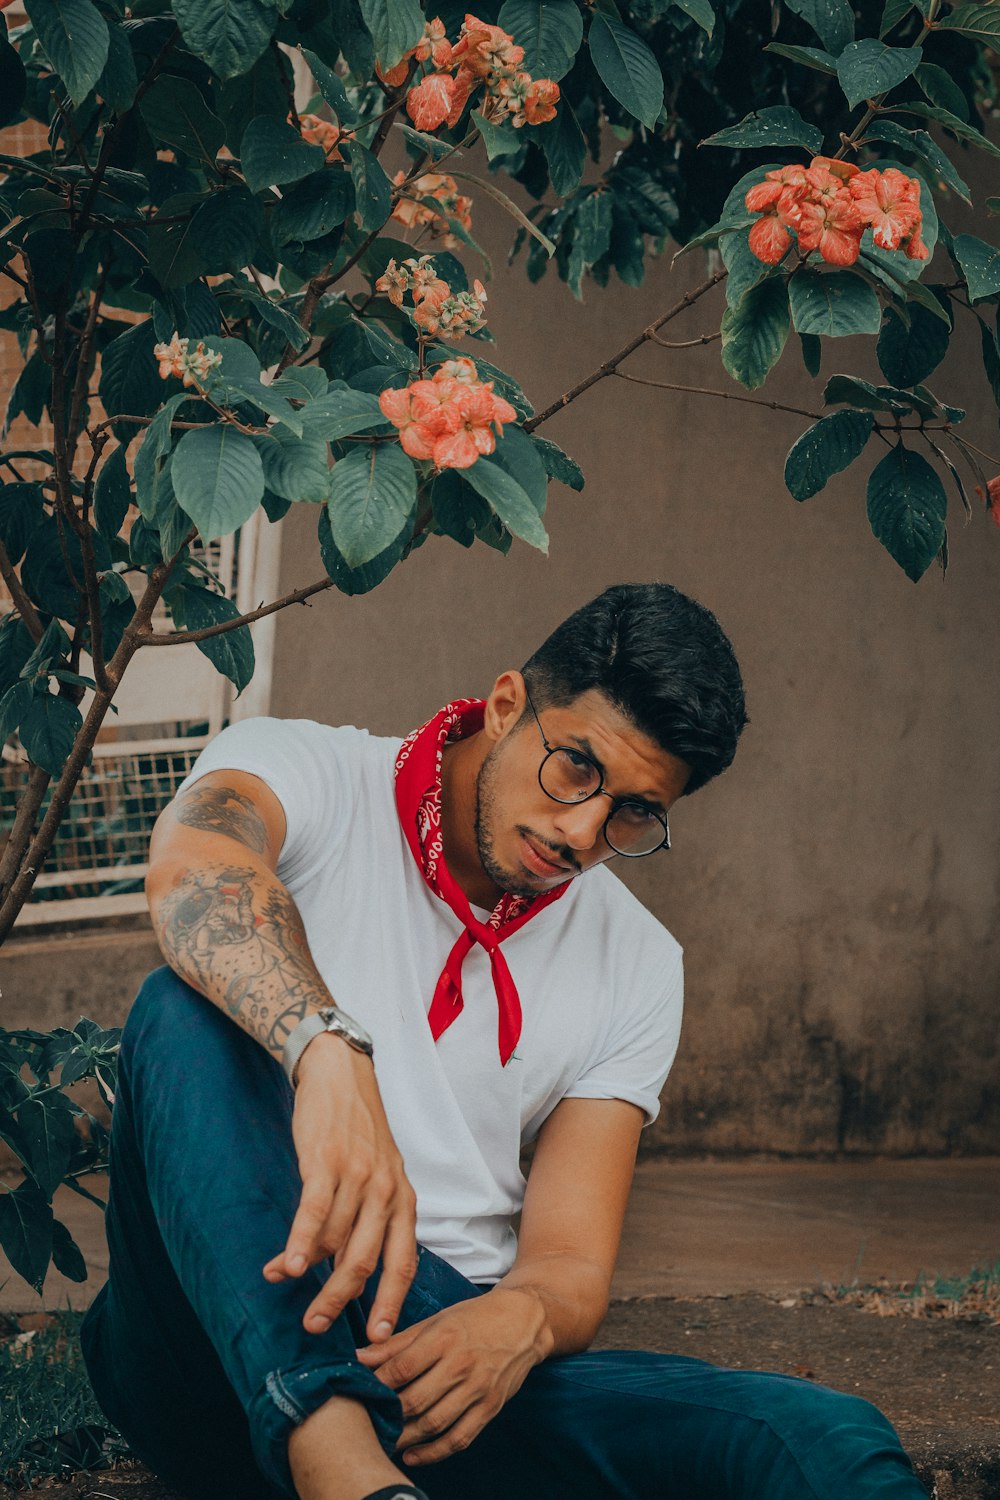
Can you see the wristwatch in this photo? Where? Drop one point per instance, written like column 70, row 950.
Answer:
column 327, row 1018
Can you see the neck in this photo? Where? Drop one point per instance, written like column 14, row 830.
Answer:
column 460, row 765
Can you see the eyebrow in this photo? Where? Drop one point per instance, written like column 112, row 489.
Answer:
column 651, row 802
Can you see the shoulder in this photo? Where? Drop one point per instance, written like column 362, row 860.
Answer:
column 600, row 898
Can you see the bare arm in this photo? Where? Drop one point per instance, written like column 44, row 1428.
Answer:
column 227, row 924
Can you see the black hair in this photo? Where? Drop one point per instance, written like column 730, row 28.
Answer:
column 664, row 662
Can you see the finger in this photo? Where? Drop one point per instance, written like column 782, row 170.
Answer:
column 308, row 1239
column 431, row 1404
column 374, row 1355
column 465, row 1430
column 355, row 1263
column 399, row 1266
column 410, row 1363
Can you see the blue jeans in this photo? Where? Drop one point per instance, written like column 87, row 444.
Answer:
column 205, row 1367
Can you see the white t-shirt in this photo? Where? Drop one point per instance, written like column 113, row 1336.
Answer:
column 599, row 979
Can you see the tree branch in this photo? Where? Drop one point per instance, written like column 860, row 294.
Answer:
column 610, row 366
column 699, row 390
column 188, row 637
column 22, row 603
column 24, row 825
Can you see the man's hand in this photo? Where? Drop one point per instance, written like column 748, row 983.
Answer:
column 356, row 1201
column 455, row 1370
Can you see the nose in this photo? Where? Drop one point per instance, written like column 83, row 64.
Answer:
column 581, row 824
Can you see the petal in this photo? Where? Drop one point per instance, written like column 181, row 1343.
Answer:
column 414, row 441
column 395, row 404
column 769, row 240
column 457, row 451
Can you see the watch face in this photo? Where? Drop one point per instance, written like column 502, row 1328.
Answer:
column 347, row 1027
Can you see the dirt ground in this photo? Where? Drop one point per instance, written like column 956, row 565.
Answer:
column 937, row 1379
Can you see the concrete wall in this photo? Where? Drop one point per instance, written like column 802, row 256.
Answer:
column 836, row 891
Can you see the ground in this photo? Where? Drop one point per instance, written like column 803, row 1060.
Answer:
column 936, row 1377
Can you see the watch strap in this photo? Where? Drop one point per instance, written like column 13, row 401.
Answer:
column 328, row 1018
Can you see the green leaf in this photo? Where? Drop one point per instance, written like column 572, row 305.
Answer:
column 331, row 87
column 154, row 448
column 550, row 31
column 276, row 316
column 423, row 142
column 48, row 730
column 66, row 1255
column 226, row 228
column 950, row 121
column 302, row 383
column 565, row 148
column 516, row 453
column 980, row 264
column 869, row 68
column 370, row 574
column 494, row 192
column 372, row 187
column 509, row 500
column 591, row 235
column 810, row 57
column 313, row 207
column 833, row 304
column 373, row 492
column 341, row 413
column 119, row 81
column 626, row 67
column 295, row 468
column 855, row 392
column 700, row 12
column 980, row 22
column 832, row 21
column 74, row 36
column 906, row 508
column 232, row 652
column 755, row 331
column 940, row 88
column 499, row 140
column 559, row 465
column 47, row 1131
column 812, row 352
column 13, row 82
column 265, row 397
column 44, row 572
column 745, row 269
column 21, row 511
column 893, row 12
column 173, row 258
column 825, row 449
column 775, row 125
column 272, row 153
column 175, row 113
column 921, row 144
column 15, row 702
column 26, row 1232
column 907, row 355
column 218, row 479
column 229, row 34
column 991, row 358
column 395, row 26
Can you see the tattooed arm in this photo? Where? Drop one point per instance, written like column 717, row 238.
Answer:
column 226, row 923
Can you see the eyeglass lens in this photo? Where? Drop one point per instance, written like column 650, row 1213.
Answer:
column 570, row 777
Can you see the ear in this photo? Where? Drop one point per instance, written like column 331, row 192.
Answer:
column 504, row 706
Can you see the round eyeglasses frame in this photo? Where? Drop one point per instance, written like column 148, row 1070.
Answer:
column 617, row 803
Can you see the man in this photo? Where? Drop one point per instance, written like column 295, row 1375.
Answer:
column 491, row 987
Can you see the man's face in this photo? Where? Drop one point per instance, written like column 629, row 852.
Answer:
column 527, row 842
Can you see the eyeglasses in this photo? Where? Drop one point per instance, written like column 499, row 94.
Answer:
column 632, row 828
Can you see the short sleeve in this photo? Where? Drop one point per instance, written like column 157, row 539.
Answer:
column 314, row 770
column 639, row 1052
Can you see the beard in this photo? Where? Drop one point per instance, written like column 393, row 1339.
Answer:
column 486, row 802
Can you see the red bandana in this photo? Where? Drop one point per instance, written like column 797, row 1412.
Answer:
column 418, row 802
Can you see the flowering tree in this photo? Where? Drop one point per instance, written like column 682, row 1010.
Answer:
column 227, row 303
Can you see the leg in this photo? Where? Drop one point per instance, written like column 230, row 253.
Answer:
column 624, row 1426
column 203, row 1364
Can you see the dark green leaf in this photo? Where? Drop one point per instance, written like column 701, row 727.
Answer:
column 565, row 149
column 74, row 35
column 980, row 263
column 424, row 143
column 754, row 332
column 21, row 511
column 341, row 413
column 810, row 57
column 262, row 91
column 950, row 121
column 372, row 188
column 47, row 1131
column 226, row 228
column 893, row 12
column 31, row 394
column 908, row 355
column 559, row 465
column 276, row 507
column 700, row 12
column 775, row 125
column 118, row 81
column 16, row 647
column 26, row 1231
column 373, row 492
column 112, row 494
column 173, row 258
column 499, row 140
column 153, row 450
column 12, row 82
column 921, row 144
column 509, row 501
column 48, row 730
column 458, row 510
column 358, row 580
column 825, row 449
column 869, row 68
column 218, row 479
column 940, row 88
column 273, row 153
column 395, row 27
column 230, row 653
column 229, row 34
column 516, row 453
column 855, row 392
column 812, row 352
column 175, row 113
column 832, row 21
column 331, row 88
column 44, row 574
column 295, row 468
column 906, row 508
column 66, row 1255
column 550, row 31
column 980, row 22
column 627, row 68
column 833, row 304
column 991, row 359
column 15, row 702
column 591, row 237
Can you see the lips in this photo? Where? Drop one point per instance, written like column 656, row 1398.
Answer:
column 539, row 863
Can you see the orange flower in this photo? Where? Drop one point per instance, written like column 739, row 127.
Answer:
column 842, row 169
column 485, row 49
column 444, row 189
column 397, row 407
column 433, row 45
column 430, row 103
column 319, row 132
column 829, row 204
column 394, row 281
column 832, row 226
column 171, row 357
column 540, row 101
column 769, row 239
column 465, row 82
column 393, row 77
column 890, row 202
column 461, row 369
column 451, row 419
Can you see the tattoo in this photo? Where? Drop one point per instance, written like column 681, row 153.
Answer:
column 221, row 809
column 236, row 935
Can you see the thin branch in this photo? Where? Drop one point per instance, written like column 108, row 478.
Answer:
column 188, row 637
column 83, row 357
column 13, row 276
column 706, row 338
column 700, row 390
column 111, row 138
column 24, row 826
column 22, row 603
column 610, row 366
column 980, row 451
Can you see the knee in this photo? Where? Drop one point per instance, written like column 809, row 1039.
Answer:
column 165, row 1005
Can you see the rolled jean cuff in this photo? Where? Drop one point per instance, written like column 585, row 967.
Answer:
column 289, row 1396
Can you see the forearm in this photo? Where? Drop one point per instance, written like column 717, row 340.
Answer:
column 570, row 1294
column 230, row 928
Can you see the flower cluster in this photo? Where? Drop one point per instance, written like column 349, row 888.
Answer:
column 484, row 57
column 992, row 497
column 829, row 205
column 192, row 366
column 444, row 190
column 320, row 132
column 437, row 310
column 451, row 419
